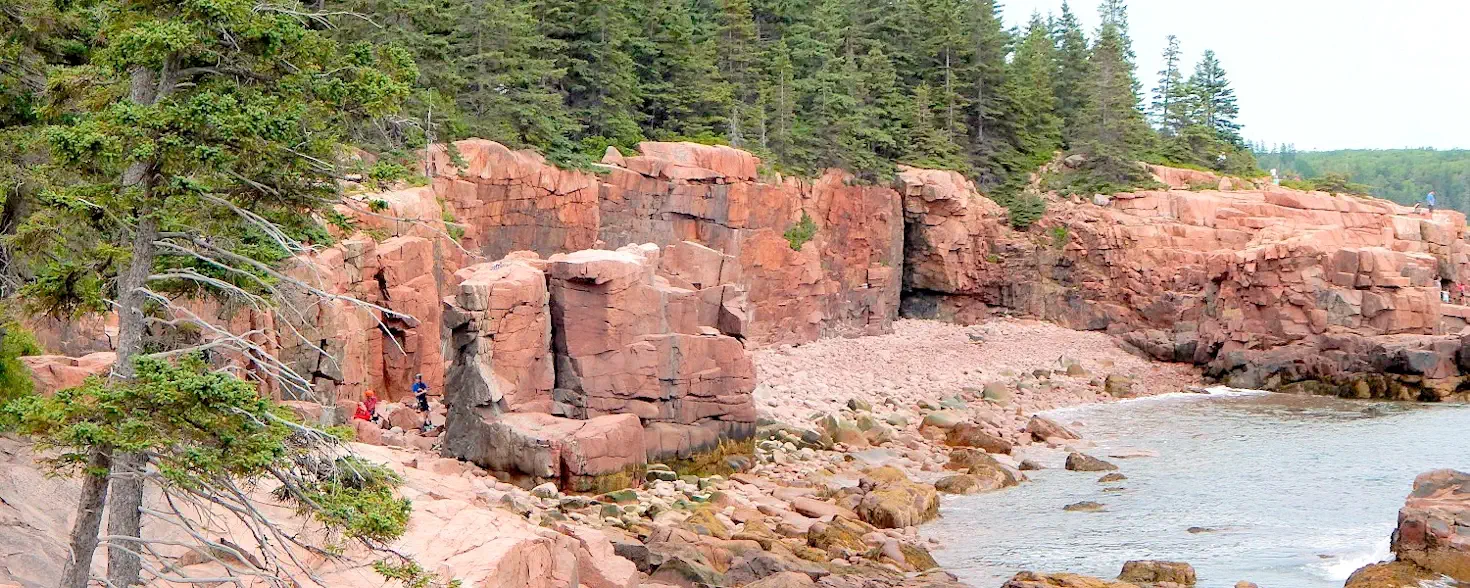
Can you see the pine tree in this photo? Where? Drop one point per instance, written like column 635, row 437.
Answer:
column 884, row 104
column 600, row 81
column 778, row 102
column 738, row 51
column 1214, row 99
column 426, row 29
column 1113, row 131
column 1038, row 130
column 948, row 63
column 1071, row 72
column 206, row 133
column 982, row 78
column 507, row 70
column 1169, row 109
column 683, row 95
column 928, row 144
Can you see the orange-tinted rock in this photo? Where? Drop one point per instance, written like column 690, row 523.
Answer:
column 1174, row 177
column 500, row 337
column 629, row 343
column 672, row 192
column 1206, row 276
column 1432, row 530
column 546, row 447
column 53, row 373
column 511, row 200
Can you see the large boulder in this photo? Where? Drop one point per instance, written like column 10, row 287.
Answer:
column 1042, row 428
column 972, row 435
column 1434, row 524
column 53, row 373
column 1157, row 572
column 628, row 343
column 1035, row 580
column 1394, row 574
column 499, row 322
column 898, row 503
column 583, row 455
column 1081, row 462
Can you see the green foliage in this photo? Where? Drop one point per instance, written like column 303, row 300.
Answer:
column 1213, row 100
column 1199, row 147
column 1060, row 236
column 410, row 574
column 801, row 232
column 1400, row 175
column 452, row 226
column 1171, row 104
column 1338, row 183
column 1024, row 208
column 15, row 342
column 200, row 426
column 1100, row 175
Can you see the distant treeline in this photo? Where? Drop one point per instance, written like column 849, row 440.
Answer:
column 1401, row 175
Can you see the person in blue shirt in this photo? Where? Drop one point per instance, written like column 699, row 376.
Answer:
column 421, row 394
column 1429, row 201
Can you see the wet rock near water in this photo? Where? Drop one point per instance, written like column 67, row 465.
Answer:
column 1434, row 524
column 1080, row 462
column 1157, row 572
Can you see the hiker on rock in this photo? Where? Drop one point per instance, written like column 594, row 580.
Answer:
column 370, row 403
column 1429, row 201
column 421, row 394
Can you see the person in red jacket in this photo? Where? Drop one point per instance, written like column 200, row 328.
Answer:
column 370, row 402
column 362, row 413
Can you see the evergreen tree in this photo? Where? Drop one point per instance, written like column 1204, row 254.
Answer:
column 1114, row 13
column 884, row 104
column 948, row 64
column 426, row 29
column 683, row 93
column 600, row 81
column 205, row 132
column 1038, row 131
column 508, row 67
column 778, row 102
column 1113, row 132
column 1214, row 99
column 738, row 51
column 1071, row 72
column 1169, row 108
column 928, row 144
column 991, row 136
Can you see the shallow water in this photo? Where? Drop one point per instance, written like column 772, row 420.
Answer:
column 1290, row 491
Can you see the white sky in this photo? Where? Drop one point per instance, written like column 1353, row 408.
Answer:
column 1323, row 74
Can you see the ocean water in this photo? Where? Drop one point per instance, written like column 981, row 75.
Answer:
column 1284, row 491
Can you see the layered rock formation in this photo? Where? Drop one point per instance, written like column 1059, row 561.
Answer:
column 581, row 367
column 843, row 282
column 1434, row 524
column 1274, row 288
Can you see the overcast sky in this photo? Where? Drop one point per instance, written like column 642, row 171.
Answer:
column 1323, row 74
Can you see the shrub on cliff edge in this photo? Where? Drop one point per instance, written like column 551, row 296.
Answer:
column 801, row 232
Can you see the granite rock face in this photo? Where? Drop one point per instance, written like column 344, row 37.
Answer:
column 586, row 365
column 844, row 281
column 1434, row 524
column 1270, row 287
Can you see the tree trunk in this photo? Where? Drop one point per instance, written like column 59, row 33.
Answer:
column 125, row 518
column 78, row 569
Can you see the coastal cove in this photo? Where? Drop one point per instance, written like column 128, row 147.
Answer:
column 1281, row 490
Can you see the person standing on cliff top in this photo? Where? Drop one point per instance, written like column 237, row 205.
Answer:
column 421, row 394
column 1429, row 201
